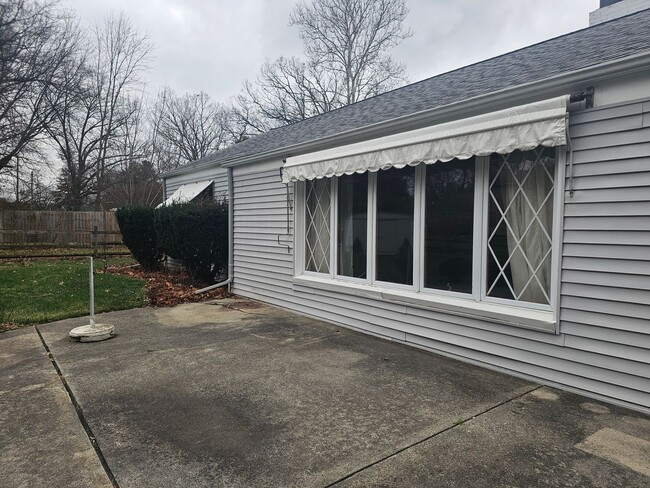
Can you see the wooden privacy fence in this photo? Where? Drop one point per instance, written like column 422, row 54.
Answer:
column 58, row 229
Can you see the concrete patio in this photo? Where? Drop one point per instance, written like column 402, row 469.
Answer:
column 235, row 394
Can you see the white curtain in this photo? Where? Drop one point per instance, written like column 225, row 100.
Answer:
column 531, row 221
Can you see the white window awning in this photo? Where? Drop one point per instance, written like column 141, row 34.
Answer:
column 523, row 127
column 186, row 193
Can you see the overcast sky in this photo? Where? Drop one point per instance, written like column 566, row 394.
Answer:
column 213, row 45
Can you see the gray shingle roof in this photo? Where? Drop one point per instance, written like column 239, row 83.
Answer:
column 581, row 49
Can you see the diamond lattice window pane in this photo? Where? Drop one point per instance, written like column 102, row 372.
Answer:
column 317, row 226
column 520, row 225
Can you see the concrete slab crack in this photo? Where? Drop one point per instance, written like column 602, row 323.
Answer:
column 457, row 423
column 80, row 414
column 231, row 307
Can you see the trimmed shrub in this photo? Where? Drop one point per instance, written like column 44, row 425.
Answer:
column 138, row 234
column 197, row 234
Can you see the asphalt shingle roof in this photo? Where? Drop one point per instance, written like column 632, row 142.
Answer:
column 571, row 52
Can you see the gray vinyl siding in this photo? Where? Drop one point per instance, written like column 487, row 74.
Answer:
column 217, row 174
column 603, row 347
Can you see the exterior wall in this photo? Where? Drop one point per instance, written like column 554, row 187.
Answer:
column 262, row 247
column 603, row 347
column 219, row 176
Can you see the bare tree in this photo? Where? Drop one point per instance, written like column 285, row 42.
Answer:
column 352, row 38
column 27, row 183
column 133, row 183
column 346, row 60
column 91, row 119
column 287, row 90
column 132, row 180
column 186, row 128
column 122, row 54
column 35, row 192
column 74, row 133
column 37, row 43
column 159, row 151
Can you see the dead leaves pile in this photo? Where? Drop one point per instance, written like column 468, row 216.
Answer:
column 167, row 289
column 7, row 326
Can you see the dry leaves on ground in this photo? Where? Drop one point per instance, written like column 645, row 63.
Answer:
column 7, row 326
column 166, row 289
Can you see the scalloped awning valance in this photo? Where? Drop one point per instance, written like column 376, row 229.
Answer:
column 523, row 127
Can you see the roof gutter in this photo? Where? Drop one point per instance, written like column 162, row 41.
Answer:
column 565, row 82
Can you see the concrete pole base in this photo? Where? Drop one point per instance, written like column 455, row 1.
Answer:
column 92, row 333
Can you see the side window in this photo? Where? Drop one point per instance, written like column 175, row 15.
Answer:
column 206, row 196
column 519, row 243
column 317, row 225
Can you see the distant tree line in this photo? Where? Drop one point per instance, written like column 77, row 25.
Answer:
column 75, row 98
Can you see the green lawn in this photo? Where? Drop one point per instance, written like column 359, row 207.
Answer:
column 43, row 291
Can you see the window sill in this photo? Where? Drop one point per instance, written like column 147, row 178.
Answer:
column 540, row 320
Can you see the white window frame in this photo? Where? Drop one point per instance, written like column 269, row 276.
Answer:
column 477, row 236
column 369, row 230
column 416, row 262
column 476, row 304
column 301, row 217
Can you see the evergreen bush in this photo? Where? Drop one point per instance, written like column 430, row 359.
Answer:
column 197, row 234
column 138, row 234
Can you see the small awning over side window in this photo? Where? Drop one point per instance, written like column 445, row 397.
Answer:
column 186, row 193
column 523, row 127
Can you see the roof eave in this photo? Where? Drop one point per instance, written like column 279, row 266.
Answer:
column 570, row 81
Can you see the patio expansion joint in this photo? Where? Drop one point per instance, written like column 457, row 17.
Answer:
column 435, row 434
column 80, row 414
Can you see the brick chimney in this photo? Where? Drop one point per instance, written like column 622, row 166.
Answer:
column 613, row 9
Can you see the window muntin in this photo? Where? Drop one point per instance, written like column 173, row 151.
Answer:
column 449, row 226
column 317, row 225
column 520, row 209
column 352, row 225
column 395, row 218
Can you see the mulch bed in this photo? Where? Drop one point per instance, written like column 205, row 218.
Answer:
column 165, row 288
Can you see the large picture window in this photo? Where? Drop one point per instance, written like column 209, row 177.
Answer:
column 479, row 229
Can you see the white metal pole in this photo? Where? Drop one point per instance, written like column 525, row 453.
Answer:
column 92, row 295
